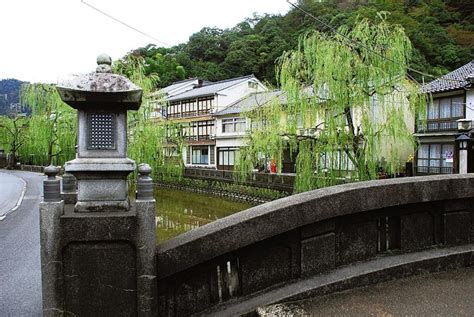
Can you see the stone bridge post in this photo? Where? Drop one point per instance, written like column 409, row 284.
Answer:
column 146, row 239
column 97, row 247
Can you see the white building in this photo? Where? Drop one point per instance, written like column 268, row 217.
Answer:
column 160, row 97
column 451, row 113
column 231, row 126
column 193, row 103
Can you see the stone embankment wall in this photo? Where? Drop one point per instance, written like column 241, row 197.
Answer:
column 254, row 200
column 32, row 168
column 317, row 242
column 280, row 182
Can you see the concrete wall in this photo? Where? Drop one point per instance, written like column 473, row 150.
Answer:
column 352, row 234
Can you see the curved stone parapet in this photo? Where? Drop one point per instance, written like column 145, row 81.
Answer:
column 313, row 233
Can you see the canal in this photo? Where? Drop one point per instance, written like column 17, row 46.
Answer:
column 179, row 211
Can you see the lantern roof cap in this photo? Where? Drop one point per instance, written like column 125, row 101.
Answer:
column 101, row 88
column 463, row 137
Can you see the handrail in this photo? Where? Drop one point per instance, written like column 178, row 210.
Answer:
column 271, row 219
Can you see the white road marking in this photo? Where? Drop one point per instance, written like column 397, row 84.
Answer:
column 18, row 203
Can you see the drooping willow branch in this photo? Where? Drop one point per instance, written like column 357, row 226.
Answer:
column 358, row 106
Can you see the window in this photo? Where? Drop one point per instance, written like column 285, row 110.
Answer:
column 174, row 110
column 298, row 118
column 204, row 105
column 233, row 125
column 227, row 157
column 205, row 129
column 444, row 108
column 337, row 160
column 200, row 155
column 212, row 155
column 198, row 130
column 190, row 107
column 435, row 158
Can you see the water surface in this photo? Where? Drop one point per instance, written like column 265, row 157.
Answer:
column 180, row 211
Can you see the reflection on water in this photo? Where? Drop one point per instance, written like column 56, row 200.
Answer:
column 180, row 211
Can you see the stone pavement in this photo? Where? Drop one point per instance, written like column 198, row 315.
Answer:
column 20, row 268
column 438, row 294
column 11, row 192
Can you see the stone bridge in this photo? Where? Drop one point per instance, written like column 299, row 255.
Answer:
column 98, row 250
column 301, row 246
column 318, row 242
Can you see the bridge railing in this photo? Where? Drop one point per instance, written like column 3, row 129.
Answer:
column 308, row 234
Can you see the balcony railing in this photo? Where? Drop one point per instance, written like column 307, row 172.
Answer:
column 438, row 126
column 189, row 114
column 434, row 170
column 200, row 137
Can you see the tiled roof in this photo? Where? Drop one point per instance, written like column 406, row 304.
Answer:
column 259, row 99
column 252, row 101
column 211, row 88
column 457, row 79
column 177, row 84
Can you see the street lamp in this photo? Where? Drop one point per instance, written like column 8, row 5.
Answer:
column 462, row 141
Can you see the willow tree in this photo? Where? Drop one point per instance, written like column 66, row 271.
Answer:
column 156, row 142
column 12, row 136
column 51, row 134
column 347, row 107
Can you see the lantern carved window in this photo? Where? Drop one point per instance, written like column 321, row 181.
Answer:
column 101, row 131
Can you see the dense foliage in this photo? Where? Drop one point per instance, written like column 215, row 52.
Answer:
column 150, row 141
column 48, row 135
column 442, row 33
column 51, row 135
column 348, row 106
column 307, row 54
column 12, row 136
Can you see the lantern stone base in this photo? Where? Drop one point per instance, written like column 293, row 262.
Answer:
column 94, row 263
column 102, row 206
column 102, row 183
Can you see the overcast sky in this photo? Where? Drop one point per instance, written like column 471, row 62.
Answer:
column 48, row 40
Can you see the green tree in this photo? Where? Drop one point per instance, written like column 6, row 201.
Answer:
column 330, row 82
column 159, row 62
column 13, row 136
column 51, row 135
column 157, row 143
column 209, row 44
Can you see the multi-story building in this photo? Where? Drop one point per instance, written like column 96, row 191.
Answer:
column 160, row 97
column 212, row 117
column 232, row 124
column 450, row 113
column 192, row 104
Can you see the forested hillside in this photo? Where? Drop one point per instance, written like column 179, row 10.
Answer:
column 9, row 93
column 442, row 33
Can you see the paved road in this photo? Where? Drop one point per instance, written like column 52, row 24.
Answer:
column 11, row 190
column 439, row 294
column 20, row 268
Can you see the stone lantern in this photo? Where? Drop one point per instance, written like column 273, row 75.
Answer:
column 101, row 166
column 98, row 252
